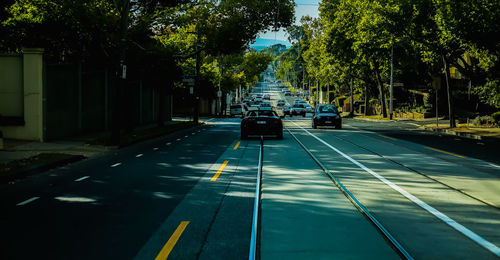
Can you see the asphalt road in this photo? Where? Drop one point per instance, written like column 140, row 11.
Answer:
column 190, row 195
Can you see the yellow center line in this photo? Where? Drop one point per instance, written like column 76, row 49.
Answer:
column 219, row 171
column 167, row 248
column 441, row 151
column 236, row 146
column 394, row 139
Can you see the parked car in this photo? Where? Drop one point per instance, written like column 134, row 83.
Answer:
column 288, row 93
column 261, row 122
column 258, row 99
column 326, row 115
column 236, row 110
column 266, row 96
column 309, row 109
column 298, row 109
column 281, row 103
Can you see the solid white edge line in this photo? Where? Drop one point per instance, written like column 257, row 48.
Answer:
column 460, row 228
column 27, row 201
column 82, row 178
column 116, row 164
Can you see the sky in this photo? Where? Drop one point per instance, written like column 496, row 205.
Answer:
column 302, row 8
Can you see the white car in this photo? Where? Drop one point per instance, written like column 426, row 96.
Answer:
column 236, row 110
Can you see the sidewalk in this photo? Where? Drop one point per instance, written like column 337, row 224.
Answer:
column 21, row 158
column 443, row 126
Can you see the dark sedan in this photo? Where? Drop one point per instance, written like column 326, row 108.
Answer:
column 326, row 115
column 261, row 122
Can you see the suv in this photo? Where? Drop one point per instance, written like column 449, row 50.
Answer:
column 326, row 115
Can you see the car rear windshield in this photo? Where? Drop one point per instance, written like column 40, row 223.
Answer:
column 262, row 113
column 328, row 109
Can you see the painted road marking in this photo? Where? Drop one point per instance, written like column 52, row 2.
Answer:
column 178, row 139
column 441, row 151
column 186, row 136
column 236, row 146
column 394, row 139
column 155, row 149
column 27, row 201
column 219, row 171
column 139, row 155
column 82, row 178
column 168, row 143
column 457, row 226
column 116, row 164
column 167, row 248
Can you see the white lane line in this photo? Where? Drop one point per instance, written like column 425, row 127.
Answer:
column 155, row 149
column 193, row 133
column 139, row 155
column 186, row 136
column 168, row 143
column 494, row 165
column 82, row 178
column 27, row 201
column 467, row 232
column 178, row 139
column 116, row 164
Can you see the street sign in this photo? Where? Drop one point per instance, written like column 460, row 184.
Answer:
column 188, row 79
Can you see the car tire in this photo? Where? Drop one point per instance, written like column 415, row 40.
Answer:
column 304, row 115
column 280, row 135
column 338, row 126
column 244, row 135
column 314, row 126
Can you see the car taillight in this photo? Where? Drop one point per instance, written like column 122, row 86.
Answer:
column 277, row 121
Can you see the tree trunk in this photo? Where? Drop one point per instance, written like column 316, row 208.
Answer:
column 161, row 106
column 381, row 93
column 366, row 99
column 451, row 112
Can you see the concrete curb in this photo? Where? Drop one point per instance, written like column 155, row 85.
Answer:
column 37, row 168
column 451, row 132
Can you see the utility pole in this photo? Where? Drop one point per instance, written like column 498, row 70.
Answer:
column 121, row 76
column 196, row 81
column 392, row 84
column 450, row 96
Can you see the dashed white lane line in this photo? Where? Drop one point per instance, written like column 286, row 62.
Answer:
column 457, row 226
column 27, row 201
column 186, row 136
column 139, row 155
column 168, row 143
column 82, row 178
column 178, row 139
column 116, row 164
column 155, row 149
column 193, row 133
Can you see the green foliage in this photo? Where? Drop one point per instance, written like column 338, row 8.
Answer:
column 483, row 121
column 496, row 117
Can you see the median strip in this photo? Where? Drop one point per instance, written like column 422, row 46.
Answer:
column 219, row 171
column 167, row 248
column 441, row 151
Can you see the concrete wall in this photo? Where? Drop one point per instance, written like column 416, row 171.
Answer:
column 29, row 64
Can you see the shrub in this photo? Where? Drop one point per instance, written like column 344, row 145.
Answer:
column 483, row 121
column 496, row 117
